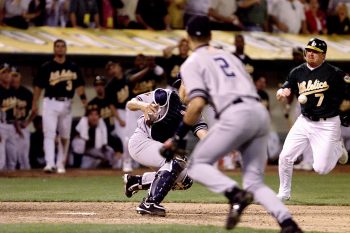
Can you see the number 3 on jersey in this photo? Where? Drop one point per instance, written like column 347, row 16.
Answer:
column 225, row 67
column 69, row 86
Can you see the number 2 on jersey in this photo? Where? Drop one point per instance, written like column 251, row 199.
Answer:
column 225, row 67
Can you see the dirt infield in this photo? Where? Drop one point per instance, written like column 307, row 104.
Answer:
column 311, row 218
column 316, row 218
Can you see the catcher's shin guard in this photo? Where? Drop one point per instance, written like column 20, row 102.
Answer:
column 164, row 181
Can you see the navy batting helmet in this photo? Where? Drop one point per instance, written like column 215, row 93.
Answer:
column 317, row 45
column 198, row 26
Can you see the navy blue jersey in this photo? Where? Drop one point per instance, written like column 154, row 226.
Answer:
column 168, row 117
column 59, row 80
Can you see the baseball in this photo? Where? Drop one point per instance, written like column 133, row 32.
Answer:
column 302, row 99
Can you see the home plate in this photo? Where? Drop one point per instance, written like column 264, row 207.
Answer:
column 77, row 213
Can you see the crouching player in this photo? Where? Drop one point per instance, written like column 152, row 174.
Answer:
column 163, row 111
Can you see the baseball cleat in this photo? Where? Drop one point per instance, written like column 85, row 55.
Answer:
column 289, row 226
column 303, row 166
column 131, row 185
column 127, row 166
column 238, row 203
column 151, row 209
column 344, row 156
column 49, row 169
column 283, row 198
column 61, row 170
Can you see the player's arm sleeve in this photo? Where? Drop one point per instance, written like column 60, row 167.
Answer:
column 80, row 78
column 193, row 76
column 145, row 97
column 110, row 95
column 290, row 81
column 29, row 101
column 343, row 90
column 139, row 101
column 199, row 125
column 344, row 85
column 39, row 79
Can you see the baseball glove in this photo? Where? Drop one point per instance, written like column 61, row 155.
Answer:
column 178, row 147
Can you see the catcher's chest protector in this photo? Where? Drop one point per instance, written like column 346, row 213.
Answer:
column 166, row 127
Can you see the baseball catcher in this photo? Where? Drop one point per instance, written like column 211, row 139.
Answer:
column 163, row 111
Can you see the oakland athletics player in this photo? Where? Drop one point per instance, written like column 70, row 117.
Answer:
column 24, row 98
column 320, row 89
column 118, row 93
column 163, row 111
column 217, row 77
column 8, row 132
column 60, row 78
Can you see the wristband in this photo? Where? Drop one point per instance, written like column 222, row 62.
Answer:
column 83, row 96
column 182, row 130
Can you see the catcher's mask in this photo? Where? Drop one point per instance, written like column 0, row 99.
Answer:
column 160, row 97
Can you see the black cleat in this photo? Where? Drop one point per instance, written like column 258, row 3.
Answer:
column 131, row 184
column 289, row 226
column 238, row 200
column 151, row 209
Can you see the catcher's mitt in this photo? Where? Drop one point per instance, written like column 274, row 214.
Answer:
column 178, row 147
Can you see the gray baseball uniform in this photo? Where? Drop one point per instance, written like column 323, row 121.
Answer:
column 145, row 143
column 243, row 124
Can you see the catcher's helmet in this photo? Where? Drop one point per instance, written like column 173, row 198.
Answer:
column 317, row 45
column 161, row 97
column 99, row 80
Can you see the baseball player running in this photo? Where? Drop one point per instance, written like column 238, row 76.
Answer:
column 60, row 78
column 162, row 112
column 320, row 89
column 217, row 77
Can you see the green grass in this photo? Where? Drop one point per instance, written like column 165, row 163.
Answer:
column 106, row 228
column 308, row 189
